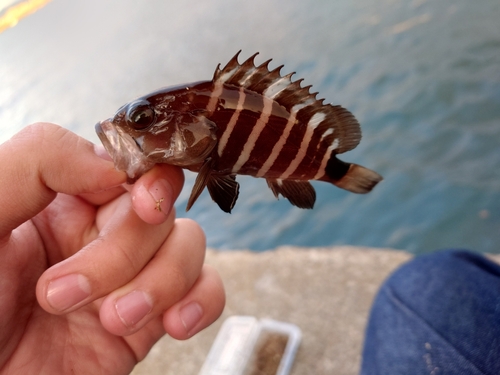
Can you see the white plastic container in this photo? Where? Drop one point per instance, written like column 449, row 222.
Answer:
column 247, row 346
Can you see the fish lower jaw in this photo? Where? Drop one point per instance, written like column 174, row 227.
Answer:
column 170, row 156
column 126, row 154
column 135, row 167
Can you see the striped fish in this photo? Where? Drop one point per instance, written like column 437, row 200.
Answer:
column 247, row 120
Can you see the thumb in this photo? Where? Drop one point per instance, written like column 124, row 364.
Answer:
column 42, row 160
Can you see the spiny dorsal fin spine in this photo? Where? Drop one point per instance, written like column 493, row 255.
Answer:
column 265, row 65
column 267, row 79
column 278, row 86
column 217, row 72
column 246, row 69
column 231, row 65
column 261, row 73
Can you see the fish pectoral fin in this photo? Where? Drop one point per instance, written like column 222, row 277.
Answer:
column 299, row 193
column 224, row 191
column 201, row 181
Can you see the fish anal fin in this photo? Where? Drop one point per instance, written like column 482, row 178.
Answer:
column 223, row 190
column 299, row 193
column 201, row 181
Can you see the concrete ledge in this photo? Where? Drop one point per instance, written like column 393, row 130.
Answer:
column 327, row 292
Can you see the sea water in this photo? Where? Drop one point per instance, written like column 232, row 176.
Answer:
column 422, row 77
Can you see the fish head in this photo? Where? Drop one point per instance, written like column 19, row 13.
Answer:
column 156, row 129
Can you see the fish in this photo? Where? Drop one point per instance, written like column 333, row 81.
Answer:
column 247, row 120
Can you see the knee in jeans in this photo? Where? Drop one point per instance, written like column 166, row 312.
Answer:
column 424, row 270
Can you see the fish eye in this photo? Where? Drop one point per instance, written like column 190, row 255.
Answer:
column 140, row 115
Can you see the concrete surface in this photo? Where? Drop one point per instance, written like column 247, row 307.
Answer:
column 327, row 292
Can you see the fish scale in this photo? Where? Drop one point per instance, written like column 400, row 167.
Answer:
column 247, row 120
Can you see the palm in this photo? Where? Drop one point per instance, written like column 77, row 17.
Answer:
column 37, row 340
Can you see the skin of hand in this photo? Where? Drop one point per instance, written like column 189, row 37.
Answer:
column 91, row 274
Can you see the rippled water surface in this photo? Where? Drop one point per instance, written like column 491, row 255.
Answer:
column 422, row 77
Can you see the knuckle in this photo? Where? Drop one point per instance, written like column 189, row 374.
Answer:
column 42, row 132
column 181, row 282
column 119, row 265
column 192, row 229
column 217, row 285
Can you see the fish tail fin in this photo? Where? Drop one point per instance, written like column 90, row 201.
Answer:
column 351, row 177
column 359, row 179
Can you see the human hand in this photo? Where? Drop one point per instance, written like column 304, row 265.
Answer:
column 91, row 275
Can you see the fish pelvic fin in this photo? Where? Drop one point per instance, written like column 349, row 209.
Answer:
column 224, row 191
column 200, row 182
column 299, row 193
column 351, row 177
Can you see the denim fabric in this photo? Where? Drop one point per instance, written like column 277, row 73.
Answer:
column 439, row 314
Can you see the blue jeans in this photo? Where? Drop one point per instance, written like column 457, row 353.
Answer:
column 439, row 314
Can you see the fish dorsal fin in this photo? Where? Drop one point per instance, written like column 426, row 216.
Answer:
column 224, row 191
column 299, row 193
column 339, row 125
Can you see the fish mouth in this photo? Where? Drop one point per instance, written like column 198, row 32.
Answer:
column 123, row 149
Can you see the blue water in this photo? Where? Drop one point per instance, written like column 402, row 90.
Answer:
column 422, row 77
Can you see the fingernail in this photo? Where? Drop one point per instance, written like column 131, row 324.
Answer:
column 161, row 191
column 132, row 307
column 101, row 152
column 67, row 291
column 190, row 316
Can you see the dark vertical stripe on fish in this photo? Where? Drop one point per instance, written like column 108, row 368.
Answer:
column 290, row 148
column 269, row 136
column 233, row 120
column 237, row 139
column 307, row 149
column 260, row 123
